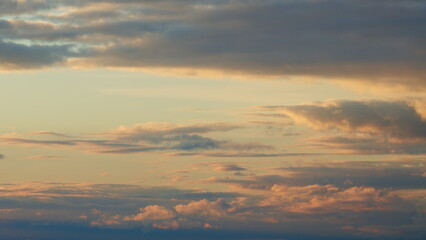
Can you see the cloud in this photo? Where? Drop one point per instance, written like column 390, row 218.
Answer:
column 328, row 199
column 154, row 129
column 11, row 7
column 73, row 193
column 228, row 167
column 365, row 127
column 367, row 145
column 48, row 133
column 14, row 56
column 32, row 142
column 181, row 136
column 396, row 174
column 43, row 157
column 167, row 225
column 9, row 210
column 152, row 212
column 396, row 119
column 381, row 47
column 204, row 207
column 126, row 210
column 144, row 137
column 240, row 154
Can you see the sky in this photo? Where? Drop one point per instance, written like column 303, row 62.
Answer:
column 219, row 119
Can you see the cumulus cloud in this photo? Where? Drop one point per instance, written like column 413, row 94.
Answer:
column 167, row 225
column 204, row 207
column 152, row 212
column 328, row 198
column 286, row 38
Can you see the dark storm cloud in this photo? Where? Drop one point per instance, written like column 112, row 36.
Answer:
column 373, row 41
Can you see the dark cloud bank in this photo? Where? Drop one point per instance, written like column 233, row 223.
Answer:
column 376, row 41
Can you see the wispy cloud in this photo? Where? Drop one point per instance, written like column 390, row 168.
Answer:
column 144, row 137
column 43, row 157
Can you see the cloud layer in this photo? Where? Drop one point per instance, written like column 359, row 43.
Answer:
column 275, row 211
column 144, row 137
column 371, row 41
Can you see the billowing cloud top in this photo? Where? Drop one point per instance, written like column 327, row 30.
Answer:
column 380, row 40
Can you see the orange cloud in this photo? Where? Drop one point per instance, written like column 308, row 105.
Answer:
column 152, row 212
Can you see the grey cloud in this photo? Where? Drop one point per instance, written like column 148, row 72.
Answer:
column 190, row 142
column 96, row 146
column 365, row 127
column 20, row 56
column 373, row 41
column 116, row 147
column 11, row 7
column 405, row 174
column 144, row 137
column 1, row 156
column 394, row 119
column 182, row 136
column 367, row 145
column 153, row 129
column 241, row 154
column 289, row 38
